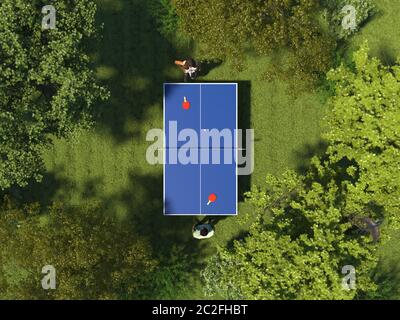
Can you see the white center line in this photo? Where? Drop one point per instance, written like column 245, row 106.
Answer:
column 200, row 154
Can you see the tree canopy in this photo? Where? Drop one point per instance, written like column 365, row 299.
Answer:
column 363, row 135
column 230, row 28
column 295, row 250
column 306, row 229
column 47, row 87
column 95, row 255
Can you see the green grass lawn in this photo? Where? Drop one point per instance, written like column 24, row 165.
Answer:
column 382, row 32
column 108, row 163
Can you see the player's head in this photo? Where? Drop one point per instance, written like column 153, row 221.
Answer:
column 204, row 232
column 190, row 63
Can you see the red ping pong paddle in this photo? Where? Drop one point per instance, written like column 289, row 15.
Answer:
column 185, row 104
column 212, row 198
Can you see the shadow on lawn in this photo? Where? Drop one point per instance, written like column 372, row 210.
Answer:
column 305, row 155
column 43, row 192
column 180, row 255
column 207, row 66
column 56, row 188
column 387, row 277
column 387, row 54
column 143, row 199
column 137, row 58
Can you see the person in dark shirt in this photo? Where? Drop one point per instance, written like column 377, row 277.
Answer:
column 189, row 67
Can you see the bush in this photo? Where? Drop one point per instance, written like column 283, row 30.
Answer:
column 217, row 282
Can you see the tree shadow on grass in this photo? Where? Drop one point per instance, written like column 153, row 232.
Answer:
column 43, row 192
column 56, row 187
column 207, row 66
column 178, row 253
column 308, row 151
column 170, row 238
column 133, row 59
column 388, row 280
column 143, row 199
column 387, row 54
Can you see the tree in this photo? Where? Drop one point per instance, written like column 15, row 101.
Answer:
column 364, row 138
column 47, row 88
column 307, row 227
column 296, row 249
column 95, row 255
column 227, row 29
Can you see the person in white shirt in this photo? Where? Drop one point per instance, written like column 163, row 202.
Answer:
column 203, row 229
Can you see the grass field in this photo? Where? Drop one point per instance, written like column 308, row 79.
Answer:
column 108, row 163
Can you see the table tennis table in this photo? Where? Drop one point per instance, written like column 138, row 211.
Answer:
column 208, row 185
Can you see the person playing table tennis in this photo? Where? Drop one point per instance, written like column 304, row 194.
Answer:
column 189, row 67
column 203, row 230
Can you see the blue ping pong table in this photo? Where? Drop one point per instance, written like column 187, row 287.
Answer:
column 197, row 166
